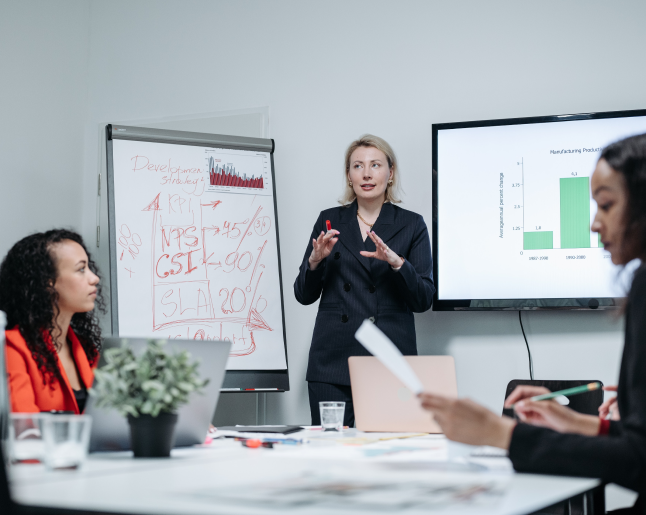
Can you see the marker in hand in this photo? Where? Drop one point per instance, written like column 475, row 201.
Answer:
column 322, row 246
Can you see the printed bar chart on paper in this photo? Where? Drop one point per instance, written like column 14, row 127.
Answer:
column 226, row 175
column 575, row 213
column 238, row 173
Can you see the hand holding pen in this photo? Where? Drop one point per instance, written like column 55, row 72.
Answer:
column 323, row 245
column 537, row 406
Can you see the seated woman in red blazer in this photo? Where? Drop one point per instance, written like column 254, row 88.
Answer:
column 49, row 288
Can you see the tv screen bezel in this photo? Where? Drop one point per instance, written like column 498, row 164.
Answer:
column 600, row 303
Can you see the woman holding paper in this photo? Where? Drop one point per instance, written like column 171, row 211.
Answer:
column 368, row 259
column 551, row 438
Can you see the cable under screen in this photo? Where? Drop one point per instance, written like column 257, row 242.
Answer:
column 529, row 352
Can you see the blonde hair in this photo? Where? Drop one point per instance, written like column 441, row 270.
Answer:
column 368, row 140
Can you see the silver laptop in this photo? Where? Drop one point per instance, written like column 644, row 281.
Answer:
column 110, row 430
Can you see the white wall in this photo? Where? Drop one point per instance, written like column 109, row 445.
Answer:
column 328, row 72
column 43, row 89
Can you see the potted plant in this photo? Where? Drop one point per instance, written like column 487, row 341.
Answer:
column 148, row 390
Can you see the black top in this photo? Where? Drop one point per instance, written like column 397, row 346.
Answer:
column 619, row 457
column 81, row 398
column 352, row 287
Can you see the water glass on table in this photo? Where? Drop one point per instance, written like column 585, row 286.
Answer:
column 26, row 442
column 67, row 438
column 332, row 415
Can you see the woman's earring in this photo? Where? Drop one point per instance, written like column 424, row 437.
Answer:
column 350, row 183
column 390, row 181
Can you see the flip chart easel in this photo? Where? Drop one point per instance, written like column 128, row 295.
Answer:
column 194, row 247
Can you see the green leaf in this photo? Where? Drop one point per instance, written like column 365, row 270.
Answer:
column 129, row 410
column 157, row 380
column 152, row 384
column 147, row 408
column 187, row 387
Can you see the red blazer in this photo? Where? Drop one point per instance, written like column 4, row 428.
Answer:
column 28, row 393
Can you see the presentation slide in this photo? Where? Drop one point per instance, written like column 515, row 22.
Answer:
column 515, row 208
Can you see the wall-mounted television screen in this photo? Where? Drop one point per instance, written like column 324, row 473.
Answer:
column 512, row 211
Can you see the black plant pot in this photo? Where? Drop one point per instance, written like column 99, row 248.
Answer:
column 152, row 437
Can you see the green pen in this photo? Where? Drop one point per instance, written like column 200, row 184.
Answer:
column 568, row 391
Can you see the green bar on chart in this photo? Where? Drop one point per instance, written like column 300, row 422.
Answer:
column 600, row 244
column 575, row 213
column 538, row 240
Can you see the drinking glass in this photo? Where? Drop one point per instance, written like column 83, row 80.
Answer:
column 26, row 437
column 67, row 438
column 332, row 415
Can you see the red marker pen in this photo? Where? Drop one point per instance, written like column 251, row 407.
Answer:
column 328, row 225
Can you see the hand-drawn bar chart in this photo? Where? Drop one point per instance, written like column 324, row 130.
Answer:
column 574, row 218
column 226, row 175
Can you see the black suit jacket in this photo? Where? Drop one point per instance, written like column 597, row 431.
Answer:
column 619, row 457
column 353, row 288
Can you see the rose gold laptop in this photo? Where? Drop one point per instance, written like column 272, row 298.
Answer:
column 381, row 401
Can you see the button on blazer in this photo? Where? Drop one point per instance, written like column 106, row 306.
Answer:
column 353, row 288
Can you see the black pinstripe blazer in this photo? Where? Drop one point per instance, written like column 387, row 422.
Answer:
column 353, row 288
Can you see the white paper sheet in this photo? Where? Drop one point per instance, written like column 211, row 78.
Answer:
column 380, row 346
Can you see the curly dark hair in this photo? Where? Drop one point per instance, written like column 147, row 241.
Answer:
column 628, row 157
column 27, row 295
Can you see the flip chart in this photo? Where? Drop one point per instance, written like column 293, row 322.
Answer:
column 194, row 247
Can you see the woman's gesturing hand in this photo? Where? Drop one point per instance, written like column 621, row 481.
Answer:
column 322, row 247
column 383, row 252
column 462, row 420
column 609, row 407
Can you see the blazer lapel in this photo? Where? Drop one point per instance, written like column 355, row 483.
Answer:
column 386, row 227
column 82, row 364
column 350, row 235
column 66, row 387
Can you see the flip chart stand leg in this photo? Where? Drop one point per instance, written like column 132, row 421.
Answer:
column 261, row 409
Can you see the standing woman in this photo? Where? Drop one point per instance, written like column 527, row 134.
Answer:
column 373, row 263
column 553, row 439
column 48, row 289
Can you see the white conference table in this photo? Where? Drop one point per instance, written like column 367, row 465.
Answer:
column 341, row 474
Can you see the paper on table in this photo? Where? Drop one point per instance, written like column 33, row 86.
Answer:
column 383, row 349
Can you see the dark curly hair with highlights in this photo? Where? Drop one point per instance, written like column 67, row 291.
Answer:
column 628, row 158
column 27, row 295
